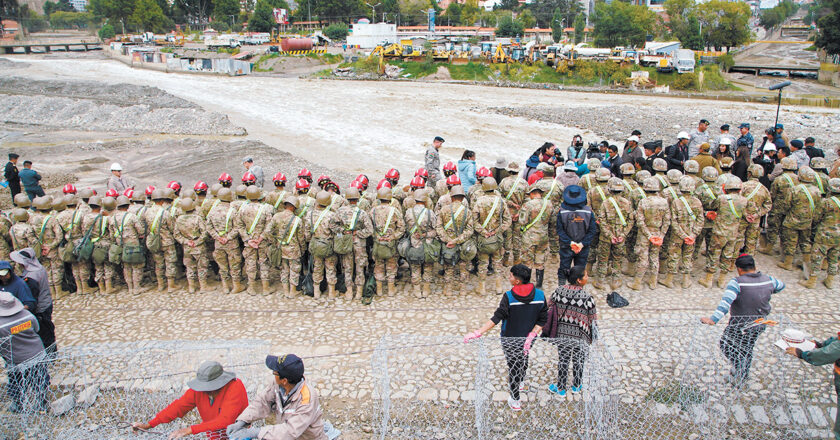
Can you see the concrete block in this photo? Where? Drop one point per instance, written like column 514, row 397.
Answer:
column 798, row 415
column 759, row 415
column 63, row 405
column 88, row 396
column 780, row 415
column 817, row 416
column 740, row 414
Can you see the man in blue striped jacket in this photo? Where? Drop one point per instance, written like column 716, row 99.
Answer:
column 746, row 298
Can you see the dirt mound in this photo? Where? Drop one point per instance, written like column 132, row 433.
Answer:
column 6, row 63
column 441, row 74
column 124, row 95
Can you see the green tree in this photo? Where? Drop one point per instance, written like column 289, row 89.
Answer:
column 342, row 10
column 580, row 27
column 557, row 25
column 414, row 12
column 690, row 36
column 148, row 16
column 527, row 18
column 453, row 13
column 509, row 27
column 107, row 32
column 60, row 5
column 544, row 11
column 828, row 37
column 470, row 12
column 336, row 32
column 622, row 24
column 725, row 24
column 508, row 5
column 117, row 11
column 262, row 20
column 223, row 10
column 195, row 12
column 70, row 20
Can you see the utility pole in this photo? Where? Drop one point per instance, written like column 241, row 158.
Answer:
column 373, row 11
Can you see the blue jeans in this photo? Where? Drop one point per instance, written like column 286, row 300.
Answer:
column 567, row 257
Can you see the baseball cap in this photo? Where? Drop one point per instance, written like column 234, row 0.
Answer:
column 704, row 121
column 744, row 125
column 5, row 267
column 724, row 127
column 288, row 366
column 782, row 126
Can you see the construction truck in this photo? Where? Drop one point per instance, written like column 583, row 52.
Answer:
column 227, row 41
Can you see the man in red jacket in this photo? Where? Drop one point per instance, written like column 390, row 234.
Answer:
column 219, row 396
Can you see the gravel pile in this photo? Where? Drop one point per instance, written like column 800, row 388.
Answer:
column 5, row 63
column 125, row 95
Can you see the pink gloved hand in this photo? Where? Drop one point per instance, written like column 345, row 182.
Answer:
column 471, row 336
column 528, row 341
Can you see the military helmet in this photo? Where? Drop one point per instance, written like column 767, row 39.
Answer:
column 383, row 193
column 139, row 197
column 456, row 190
column 627, row 169
column 489, row 184
column 58, row 204
column 420, row 194
column 652, row 184
column 240, row 190
column 214, row 189
column 709, row 174
column 726, row 163
column 22, row 200
column 641, row 176
column 659, row 164
column 188, row 205
column 593, row 164
column 615, row 184
column 168, row 193
column 43, row 203
column 674, row 176
column 807, row 175
column 323, row 198
column 691, row 166
column 819, row 163
column 253, row 192
column 70, row 200
column 603, row 174
column 188, row 193
column 20, row 214
column 733, row 184
column 789, row 164
column 756, row 170
column 85, row 193
column 109, row 203
column 95, row 201
column 687, row 184
column 834, row 184
column 158, row 194
column 123, row 201
column 352, row 193
column 291, row 200
column 225, row 194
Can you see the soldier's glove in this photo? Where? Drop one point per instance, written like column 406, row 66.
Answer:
column 245, row 434
column 711, row 215
column 689, row 240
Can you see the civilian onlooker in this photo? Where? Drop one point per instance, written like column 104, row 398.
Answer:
column 698, row 137
column 653, row 150
column 466, row 169
column 256, row 170
column 522, row 312
column 31, row 181
column 768, row 162
column 811, row 150
column 576, row 228
column 612, row 160
column 23, row 352
column 571, row 326
column 797, row 150
column 742, row 162
column 746, row 137
column 724, row 149
column 9, row 282
column 36, row 278
column 824, row 353
column 777, row 169
column 499, row 169
column 543, row 154
column 724, row 133
column 746, row 298
column 576, row 151
column 12, row 175
column 569, row 175
column 677, row 154
column 705, row 159
column 117, row 182
column 780, row 136
column 639, row 163
column 835, row 166
column 631, row 151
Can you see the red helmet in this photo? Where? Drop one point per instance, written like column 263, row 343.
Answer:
column 92, row 190
column 332, row 185
column 421, row 172
column 200, row 186
column 149, row 190
column 453, row 180
column 302, row 184
column 129, row 192
column 392, row 174
column 174, row 185
column 249, row 177
column 418, row 182
column 69, row 189
column 383, row 183
column 280, row 177
column 355, row 184
column 449, row 166
column 322, row 179
column 112, row 193
column 363, row 182
column 483, row 172
column 305, row 174
column 225, row 177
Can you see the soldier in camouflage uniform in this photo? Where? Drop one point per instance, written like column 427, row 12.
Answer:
column 127, row 230
column 441, row 185
column 275, row 198
column 191, row 232
column 536, row 223
column 827, row 241
column 252, row 221
column 227, row 252
column 99, row 221
column 687, row 222
column 708, row 194
column 305, row 203
column 22, row 234
column 616, row 218
column 733, row 212
column 240, row 198
column 70, row 221
column 5, row 243
column 634, row 192
column 692, row 169
column 653, row 218
column 660, row 170
column 320, row 236
column 446, row 199
column 552, row 189
column 454, row 226
column 159, row 222
column 595, row 197
column 420, row 228
column 796, row 228
column 352, row 220
column 587, row 181
column 397, row 193
column 475, row 191
column 49, row 235
column 388, row 227
column 820, row 166
column 669, row 193
column 491, row 220
column 417, row 183
column 288, row 232
column 757, row 193
column 513, row 189
column 336, row 200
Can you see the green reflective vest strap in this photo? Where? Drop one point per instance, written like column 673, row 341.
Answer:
column 417, row 220
column 321, row 217
column 215, row 202
column 305, row 208
column 141, row 212
column 709, row 191
column 808, row 194
column 732, row 208
column 538, row 218
column 174, row 207
column 43, row 228
column 512, row 188
column 121, row 227
column 663, row 181
column 642, row 192
column 671, row 190
column 292, row 230
column 457, row 213
column 820, row 185
column 618, row 211
column 836, row 202
column 256, row 219
column 627, row 186
column 388, row 221
column 601, row 192
column 354, row 219
column 551, row 190
column 280, row 199
column 244, row 204
column 227, row 220
column 103, row 225
column 754, row 191
column 789, row 180
column 156, row 221
column 73, row 220
column 688, row 208
column 492, row 211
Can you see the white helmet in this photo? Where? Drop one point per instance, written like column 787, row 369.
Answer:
column 116, row 167
column 726, row 140
column 683, row 135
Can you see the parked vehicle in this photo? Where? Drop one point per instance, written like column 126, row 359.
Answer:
column 684, row 60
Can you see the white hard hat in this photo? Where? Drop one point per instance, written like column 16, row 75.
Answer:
column 683, row 135
column 769, row 147
column 726, row 140
column 633, row 138
column 116, row 167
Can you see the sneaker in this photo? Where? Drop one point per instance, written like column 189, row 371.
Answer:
column 514, row 404
column 522, row 386
column 553, row 389
column 576, row 390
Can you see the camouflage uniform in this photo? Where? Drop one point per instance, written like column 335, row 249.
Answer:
column 159, row 221
column 616, row 218
column 305, row 204
column 491, row 218
column 827, row 241
column 687, row 221
column 708, row 194
column 252, row 221
column 5, row 243
column 635, row 193
column 538, row 214
column 513, row 189
column 387, row 231
column 23, row 236
column 71, row 225
column 729, row 226
column 595, row 198
column 100, row 237
column 191, row 227
column 420, row 228
column 352, row 219
column 49, row 234
column 796, row 228
column 757, row 193
column 456, row 229
column 653, row 218
column 367, row 200
column 126, row 230
column 228, row 254
column 552, row 189
column 275, row 198
column 781, row 192
column 318, row 222
column 288, row 231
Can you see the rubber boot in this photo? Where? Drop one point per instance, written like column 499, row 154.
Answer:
column 331, row 291
column 668, row 281
column 686, row 281
column 161, row 285
column 540, row 274
column 828, row 282
column 392, row 288
column 652, row 281
column 237, row 287
column 190, row 285
column 596, row 283
column 787, row 263
column 379, row 289
column 225, row 287
column 202, row 285
column 637, row 283
column 170, row 285
column 810, row 283
column 481, row 289
column 266, row 288
column 427, row 290
column 629, row 269
column 722, row 280
column 707, row 280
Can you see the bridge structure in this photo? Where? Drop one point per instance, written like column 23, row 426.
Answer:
column 46, row 46
column 758, row 68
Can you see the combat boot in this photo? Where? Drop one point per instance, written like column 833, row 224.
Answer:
column 379, row 289
column 331, row 291
column 237, row 286
column 81, row 288
column 252, row 287
column 427, row 290
column 225, row 287
column 810, row 283
column 723, row 279
column 686, row 281
column 161, row 285
column 190, row 285
column 652, row 281
column 596, row 283
column 629, row 269
column 481, row 288
column 668, row 281
column 707, row 280
column 588, row 268
column 392, row 289
column 540, row 275
column 109, row 288
column 170, row 285
column 765, row 247
column 787, row 263
column 316, row 291
column 202, row 285
column 266, row 288
column 506, row 259
column 499, row 284
column 828, row 282
column 662, row 268
column 637, row 282
column 615, row 283
column 101, row 286
column 418, row 291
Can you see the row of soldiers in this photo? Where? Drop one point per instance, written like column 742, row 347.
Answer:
column 434, row 229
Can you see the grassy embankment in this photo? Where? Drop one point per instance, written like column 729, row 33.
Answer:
column 325, row 58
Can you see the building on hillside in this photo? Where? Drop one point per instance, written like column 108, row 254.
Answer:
column 539, row 34
column 662, row 47
column 653, row 5
column 308, row 25
column 79, row 5
column 449, row 32
column 370, row 35
column 10, row 29
column 488, row 5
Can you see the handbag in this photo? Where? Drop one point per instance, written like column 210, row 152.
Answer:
column 115, row 251
column 431, row 251
column 386, row 249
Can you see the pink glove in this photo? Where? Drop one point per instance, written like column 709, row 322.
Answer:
column 528, row 341
column 471, row 336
